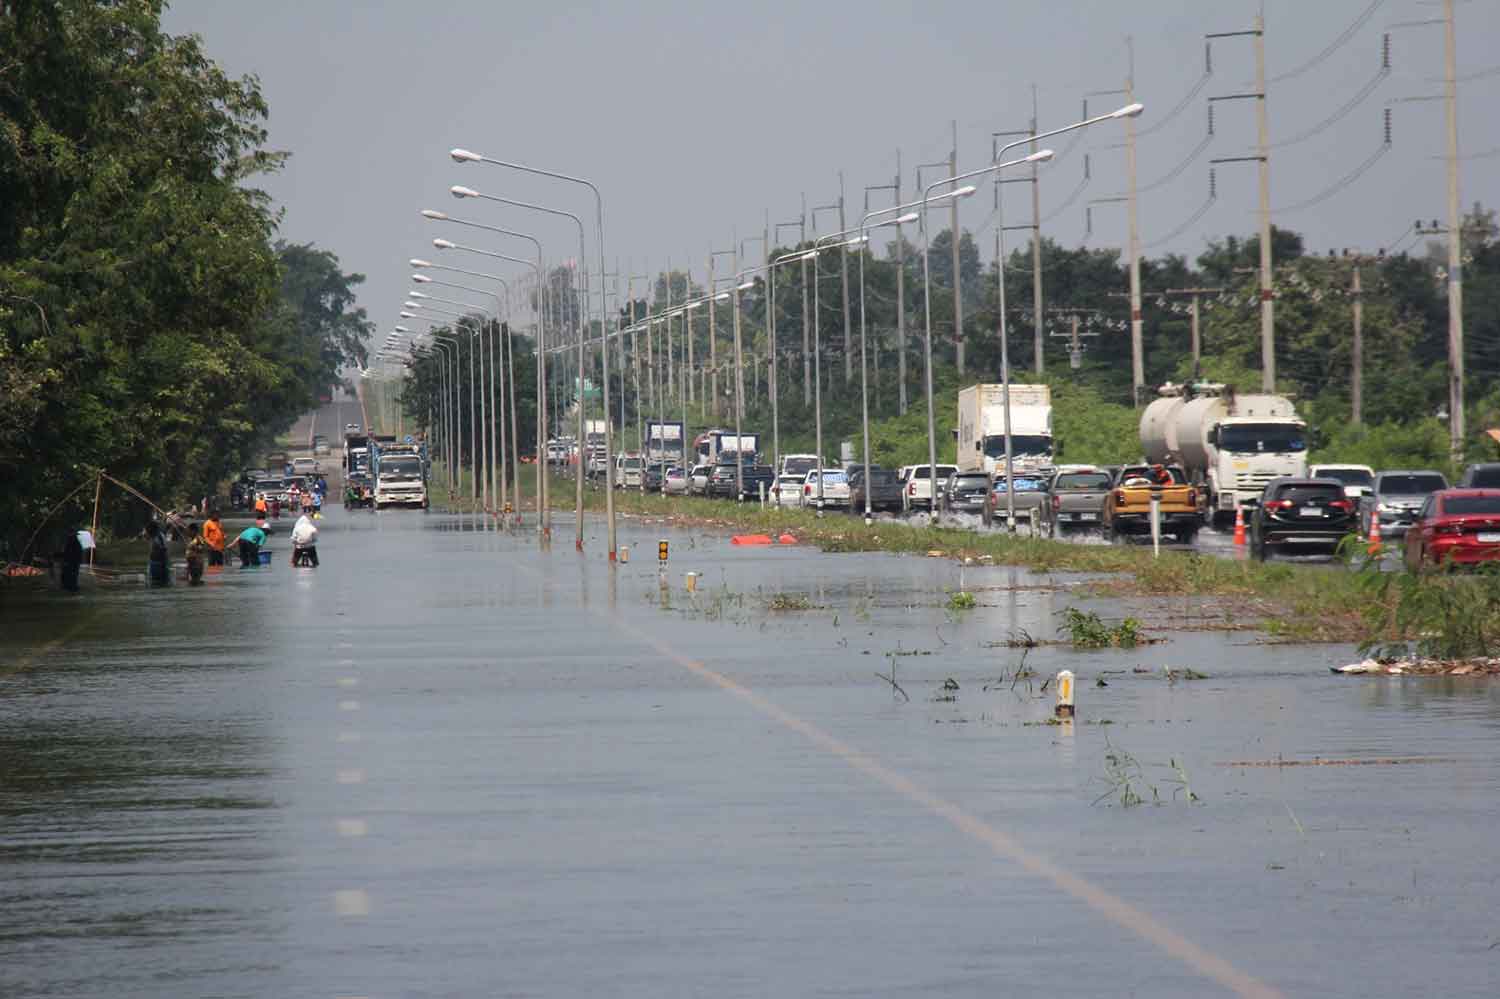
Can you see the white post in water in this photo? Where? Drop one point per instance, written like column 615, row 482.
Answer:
column 1064, row 707
column 1155, row 523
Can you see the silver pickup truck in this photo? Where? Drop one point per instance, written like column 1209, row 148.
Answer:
column 1078, row 498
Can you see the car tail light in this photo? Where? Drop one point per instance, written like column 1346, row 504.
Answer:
column 1057, row 502
column 1192, row 497
column 1120, row 497
column 807, row 490
column 1342, row 504
column 1448, row 529
column 1281, row 504
column 911, row 489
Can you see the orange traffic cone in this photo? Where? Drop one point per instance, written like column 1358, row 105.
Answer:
column 1239, row 525
column 1375, row 545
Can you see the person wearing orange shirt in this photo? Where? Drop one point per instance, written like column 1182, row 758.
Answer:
column 213, row 534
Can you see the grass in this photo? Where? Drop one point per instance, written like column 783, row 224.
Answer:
column 1291, row 602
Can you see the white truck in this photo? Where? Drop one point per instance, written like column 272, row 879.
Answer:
column 1229, row 444
column 593, row 438
column 399, row 480
column 709, row 443
column 663, row 442
column 981, row 428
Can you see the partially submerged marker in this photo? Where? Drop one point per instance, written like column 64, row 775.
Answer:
column 1064, row 708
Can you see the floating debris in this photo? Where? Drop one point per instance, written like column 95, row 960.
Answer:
column 1422, row 667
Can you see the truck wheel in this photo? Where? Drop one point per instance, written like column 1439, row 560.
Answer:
column 1187, row 536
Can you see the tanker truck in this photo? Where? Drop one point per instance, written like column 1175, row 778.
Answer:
column 1229, row 444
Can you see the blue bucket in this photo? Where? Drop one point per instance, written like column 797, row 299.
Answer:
column 265, row 556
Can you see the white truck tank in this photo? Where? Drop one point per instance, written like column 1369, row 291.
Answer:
column 1199, row 416
column 1159, row 430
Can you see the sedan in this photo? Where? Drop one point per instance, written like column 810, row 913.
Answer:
column 1455, row 527
column 1297, row 514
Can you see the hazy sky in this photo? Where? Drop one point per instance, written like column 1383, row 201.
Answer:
column 697, row 118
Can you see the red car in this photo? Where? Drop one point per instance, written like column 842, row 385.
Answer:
column 1455, row 526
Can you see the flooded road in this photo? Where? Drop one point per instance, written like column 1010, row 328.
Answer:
column 449, row 764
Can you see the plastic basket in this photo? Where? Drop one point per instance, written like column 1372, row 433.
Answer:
column 265, row 556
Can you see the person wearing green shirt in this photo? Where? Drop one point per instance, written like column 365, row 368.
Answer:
column 250, row 540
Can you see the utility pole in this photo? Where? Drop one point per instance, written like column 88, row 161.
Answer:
column 1357, row 350
column 1193, row 295
column 844, row 269
column 1075, row 335
column 1455, row 244
column 895, row 188
column 1137, row 350
column 806, row 331
column 713, row 336
column 1035, row 228
column 1263, row 157
column 958, row 298
column 900, row 300
column 1036, row 242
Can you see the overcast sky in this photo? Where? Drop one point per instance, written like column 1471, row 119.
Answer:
column 696, row 119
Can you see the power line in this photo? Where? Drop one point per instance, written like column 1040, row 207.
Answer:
column 1348, row 106
column 1192, row 219
column 1343, row 182
column 1333, row 46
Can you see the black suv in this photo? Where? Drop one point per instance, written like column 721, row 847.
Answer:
column 1299, row 514
column 1482, row 476
column 721, row 481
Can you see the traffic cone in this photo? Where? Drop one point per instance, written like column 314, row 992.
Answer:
column 1239, row 525
column 1375, row 544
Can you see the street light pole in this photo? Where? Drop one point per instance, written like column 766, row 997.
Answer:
column 544, row 519
column 463, row 155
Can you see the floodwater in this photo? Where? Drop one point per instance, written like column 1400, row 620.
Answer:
column 447, row 763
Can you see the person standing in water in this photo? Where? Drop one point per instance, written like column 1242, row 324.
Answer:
column 72, row 560
column 250, row 540
column 156, row 565
column 197, row 553
column 213, row 536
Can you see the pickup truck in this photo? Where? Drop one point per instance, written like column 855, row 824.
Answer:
column 885, row 489
column 835, row 489
column 1078, row 498
column 916, row 486
column 1128, row 507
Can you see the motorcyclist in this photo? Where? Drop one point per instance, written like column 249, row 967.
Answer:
column 305, row 541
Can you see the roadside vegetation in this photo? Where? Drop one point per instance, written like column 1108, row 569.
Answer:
column 151, row 323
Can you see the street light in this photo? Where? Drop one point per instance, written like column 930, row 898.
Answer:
column 458, row 191
column 490, row 448
column 507, row 384
column 466, row 156
column 1128, row 111
column 544, row 513
column 1037, row 157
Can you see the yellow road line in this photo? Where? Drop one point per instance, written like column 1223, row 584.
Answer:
column 1111, row 906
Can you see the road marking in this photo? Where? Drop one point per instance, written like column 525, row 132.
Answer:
column 347, row 662
column 351, row 902
column 348, row 681
column 352, row 827
column 348, row 737
column 346, row 645
column 351, row 776
column 1111, row 906
column 348, row 705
